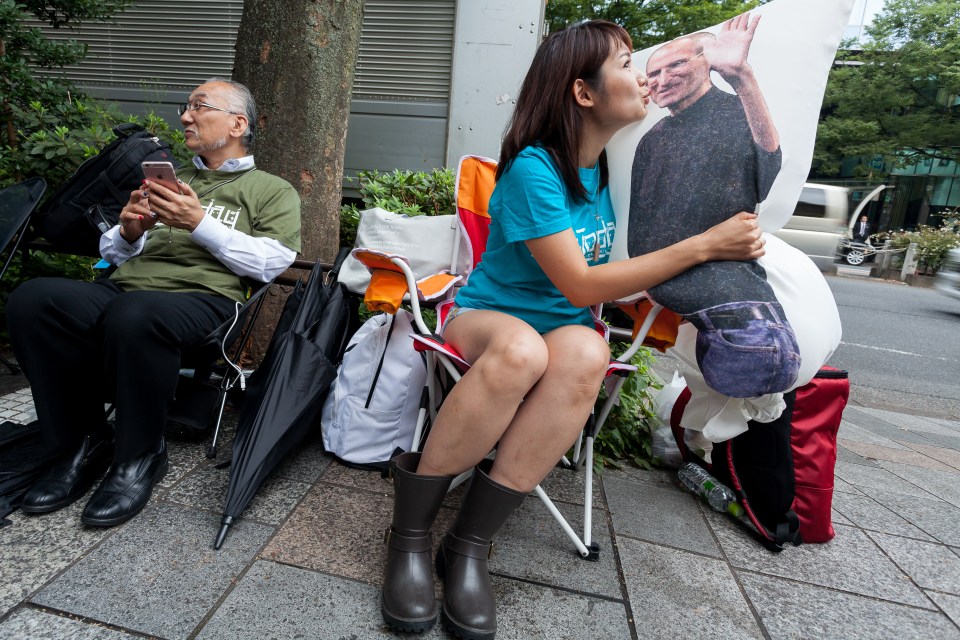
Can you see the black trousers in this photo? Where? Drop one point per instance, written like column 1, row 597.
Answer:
column 81, row 344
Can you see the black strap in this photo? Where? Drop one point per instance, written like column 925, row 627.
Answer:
column 788, row 530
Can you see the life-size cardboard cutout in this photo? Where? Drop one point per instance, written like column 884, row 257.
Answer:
column 731, row 128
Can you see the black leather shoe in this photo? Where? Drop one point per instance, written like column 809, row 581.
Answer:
column 69, row 478
column 126, row 489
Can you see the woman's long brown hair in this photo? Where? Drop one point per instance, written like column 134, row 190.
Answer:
column 546, row 113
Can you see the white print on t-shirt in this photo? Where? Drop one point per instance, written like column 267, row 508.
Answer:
column 603, row 236
column 225, row 216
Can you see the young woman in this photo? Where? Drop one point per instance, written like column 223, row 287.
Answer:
column 523, row 321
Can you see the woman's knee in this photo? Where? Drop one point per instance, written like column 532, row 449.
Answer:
column 581, row 356
column 518, row 360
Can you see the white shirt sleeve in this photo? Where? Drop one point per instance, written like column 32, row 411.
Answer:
column 115, row 250
column 259, row 258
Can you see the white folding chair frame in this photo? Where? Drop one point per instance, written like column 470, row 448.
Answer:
column 583, row 449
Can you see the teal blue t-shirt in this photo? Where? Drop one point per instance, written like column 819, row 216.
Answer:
column 531, row 201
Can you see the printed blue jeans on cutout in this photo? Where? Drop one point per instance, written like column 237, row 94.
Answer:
column 746, row 349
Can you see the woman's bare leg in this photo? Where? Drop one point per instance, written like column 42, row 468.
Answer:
column 555, row 411
column 508, row 358
column 531, row 393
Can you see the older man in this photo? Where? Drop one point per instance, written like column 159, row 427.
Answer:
column 716, row 154
column 184, row 259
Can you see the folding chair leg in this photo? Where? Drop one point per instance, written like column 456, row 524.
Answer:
column 588, row 495
column 591, row 552
column 212, row 449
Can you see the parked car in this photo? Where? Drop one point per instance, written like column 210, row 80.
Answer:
column 818, row 223
column 948, row 277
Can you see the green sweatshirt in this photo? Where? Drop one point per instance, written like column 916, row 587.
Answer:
column 254, row 202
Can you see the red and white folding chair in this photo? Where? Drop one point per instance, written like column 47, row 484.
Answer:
column 475, row 180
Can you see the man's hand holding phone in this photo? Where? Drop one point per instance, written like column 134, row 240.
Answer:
column 174, row 202
column 135, row 217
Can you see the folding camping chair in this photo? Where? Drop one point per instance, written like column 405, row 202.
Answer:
column 17, row 202
column 198, row 400
column 474, row 184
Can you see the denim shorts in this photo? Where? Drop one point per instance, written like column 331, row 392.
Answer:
column 453, row 313
column 746, row 349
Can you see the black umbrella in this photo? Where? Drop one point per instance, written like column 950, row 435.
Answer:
column 287, row 391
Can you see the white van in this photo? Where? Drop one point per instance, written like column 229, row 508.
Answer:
column 818, row 223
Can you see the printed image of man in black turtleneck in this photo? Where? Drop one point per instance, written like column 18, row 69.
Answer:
column 715, row 155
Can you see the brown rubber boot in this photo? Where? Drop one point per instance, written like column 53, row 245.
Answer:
column 407, row 599
column 469, row 606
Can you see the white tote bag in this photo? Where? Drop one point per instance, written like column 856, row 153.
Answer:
column 431, row 244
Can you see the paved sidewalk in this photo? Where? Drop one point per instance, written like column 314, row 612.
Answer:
column 305, row 561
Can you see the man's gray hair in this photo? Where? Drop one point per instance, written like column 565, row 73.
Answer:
column 241, row 101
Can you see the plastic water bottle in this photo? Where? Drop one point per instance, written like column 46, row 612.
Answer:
column 717, row 495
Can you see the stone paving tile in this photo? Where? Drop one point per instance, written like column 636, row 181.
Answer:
column 658, row 477
column 907, row 421
column 664, row 515
column 531, row 546
column 306, row 463
column 340, row 531
column 886, row 429
column 184, row 458
column 35, row 624
column 339, row 474
column 847, row 455
column 866, row 513
column 943, row 440
column 942, row 484
column 842, row 486
column 951, row 424
column 873, row 452
column 867, row 477
column 311, row 605
column 838, row 518
column 567, row 485
column 34, row 548
column 849, row 562
column 948, row 457
column 949, row 604
column 931, row 565
column 206, row 488
column 674, row 592
column 937, row 518
column 793, row 610
column 158, row 574
column 278, row 601
column 850, row 431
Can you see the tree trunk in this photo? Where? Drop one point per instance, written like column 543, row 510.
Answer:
column 298, row 59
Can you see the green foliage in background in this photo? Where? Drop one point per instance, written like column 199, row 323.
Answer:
column 894, row 97
column 932, row 245
column 627, row 433
column 413, row 193
column 53, row 140
column 649, row 22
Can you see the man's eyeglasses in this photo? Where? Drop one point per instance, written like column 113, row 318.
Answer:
column 196, row 104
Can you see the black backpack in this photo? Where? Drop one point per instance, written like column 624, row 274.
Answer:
column 89, row 203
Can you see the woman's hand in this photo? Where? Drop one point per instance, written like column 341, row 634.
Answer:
column 135, row 217
column 738, row 238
